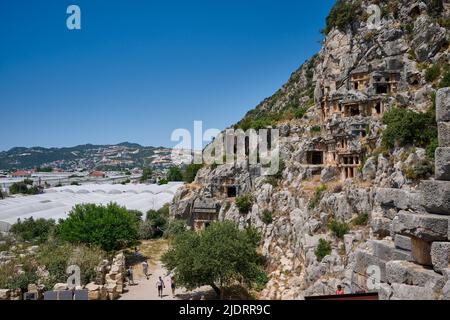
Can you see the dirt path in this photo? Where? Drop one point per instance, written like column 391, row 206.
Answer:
column 146, row 289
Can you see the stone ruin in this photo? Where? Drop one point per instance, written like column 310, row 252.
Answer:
column 414, row 259
column 108, row 285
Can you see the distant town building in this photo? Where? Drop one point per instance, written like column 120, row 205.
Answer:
column 21, row 174
column 97, row 174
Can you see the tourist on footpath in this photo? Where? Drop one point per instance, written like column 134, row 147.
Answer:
column 173, row 286
column 339, row 290
column 160, row 285
column 145, row 268
column 130, row 276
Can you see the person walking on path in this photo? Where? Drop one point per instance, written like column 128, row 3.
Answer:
column 339, row 290
column 130, row 275
column 173, row 286
column 160, row 285
column 145, row 268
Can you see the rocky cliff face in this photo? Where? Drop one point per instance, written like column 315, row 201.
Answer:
column 346, row 209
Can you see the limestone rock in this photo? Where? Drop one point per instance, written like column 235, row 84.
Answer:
column 436, row 196
column 407, row 292
column 402, row 242
column 442, row 164
column 428, row 227
column 404, row 272
column 440, row 256
column 5, row 294
column 428, row 38
column 60, row 287
column 444, row 134
column 443, row 105
column 328, row 174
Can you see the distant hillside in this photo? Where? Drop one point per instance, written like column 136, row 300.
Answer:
column 88, row 156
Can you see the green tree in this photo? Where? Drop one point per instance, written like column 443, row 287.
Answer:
column 146, row 175
column 110, row 227
column 175, row 174
column 23, row 187
column 33, row 230
column 218, row 256
column 190, row 172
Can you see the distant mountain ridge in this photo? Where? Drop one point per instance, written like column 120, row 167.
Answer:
column 86, row 156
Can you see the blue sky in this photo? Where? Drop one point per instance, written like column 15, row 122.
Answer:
column 140, row 69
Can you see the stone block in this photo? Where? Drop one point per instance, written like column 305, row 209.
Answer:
column 404, row 272
column 403, row 255
column 407, row 292
column 442, row 163
column 445, row 293
column 443, row 105
column 444, row 134
column 365, row 259
column 5, row 294
column 60, row 287
column 381, row 226
column 382, row 249
column 436, row 196
column 397, row 198
column 402, row 242
column 440, row 256
column 421, row 251
column 428, row 227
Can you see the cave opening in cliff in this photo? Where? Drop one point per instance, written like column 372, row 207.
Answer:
column 231, row 191
column 315, row 157
column 382, row 88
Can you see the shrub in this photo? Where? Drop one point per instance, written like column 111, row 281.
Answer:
column 146, row 175
column 33, row 230
column 244, row 203
column 110, row 227
column 23, row 187
column 267, row 217
column 175, row 174
column 156, row 218
column 445, row 82
column 272, row 181
column 21, row 281
column 343, row 14
column 145, row 230
column 316, row 129
column 74, row 183
column 339, row 229
column 362, row 219
column 317, row 196
column 432, row 73
column 190, row 172
column 406, row 127
column 299, row 113
column 422, row 170
column 162, row 182
column 174, row 229
column 323, row 249
column 56, row 257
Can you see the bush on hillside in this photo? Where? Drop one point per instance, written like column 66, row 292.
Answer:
column 407, row 127
column 323, row 249
column 190, row 172
column 343, row 14
column 339, row 228
column 33, row 230
column 244, row 203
